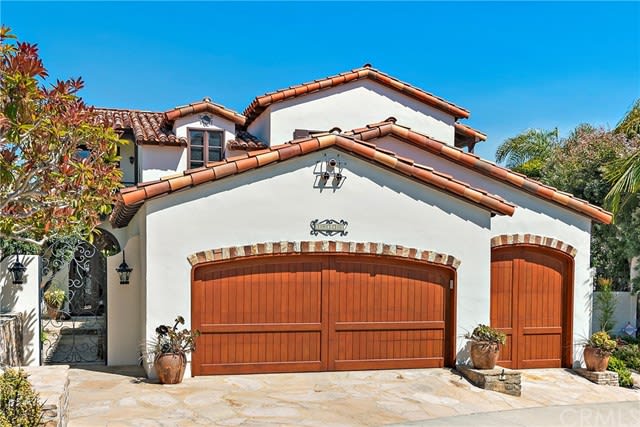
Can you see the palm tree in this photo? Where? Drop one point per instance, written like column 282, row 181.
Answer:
column 630, row 123
column 624, row 173
column 528, row 152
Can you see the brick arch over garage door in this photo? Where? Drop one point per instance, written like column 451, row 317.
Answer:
column 317, row 306
column 532, row 300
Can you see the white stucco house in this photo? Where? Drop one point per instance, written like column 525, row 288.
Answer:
column 340, row 224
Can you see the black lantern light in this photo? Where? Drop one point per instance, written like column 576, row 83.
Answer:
column 124, row 271
column 17, row 270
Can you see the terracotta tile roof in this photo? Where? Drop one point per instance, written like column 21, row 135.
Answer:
column 129, row 200
column 471, row 161
column 469, row 131
column 205, row 106
column 156, row 128
column 148, row 127
column 365, row 72
column 245, row 141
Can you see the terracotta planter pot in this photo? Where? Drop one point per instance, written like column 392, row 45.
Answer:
column 170, row 367
column 52, row 312
column 484, row 355
column 595, row 359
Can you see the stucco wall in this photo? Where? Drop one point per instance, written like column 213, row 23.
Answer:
column 277, row 203
column 127, row 151
column 123, row 309
column 24, row 300
column 533, row 215
column 626, row 306
column 156, row 162
column 350, row 106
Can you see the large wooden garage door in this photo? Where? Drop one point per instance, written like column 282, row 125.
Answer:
column 530, row 302
column 315, row 313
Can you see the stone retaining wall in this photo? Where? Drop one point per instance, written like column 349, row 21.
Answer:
column 52, row 383
column 10, row 340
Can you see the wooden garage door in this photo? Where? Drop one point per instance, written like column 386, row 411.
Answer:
column 315, row 313
column 530, row 303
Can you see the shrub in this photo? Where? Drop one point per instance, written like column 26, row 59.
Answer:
column 54, row 297
column 486, row 333
column 19, row 403
column 624, row 375
column 630, row 355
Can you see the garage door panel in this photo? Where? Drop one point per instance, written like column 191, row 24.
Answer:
column 369, row 345
column 387, row 314
column 529, row 300
column 319, row 312
column 263, row 294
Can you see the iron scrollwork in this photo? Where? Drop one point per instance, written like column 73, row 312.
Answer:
column 75, row 332
column 329, row 227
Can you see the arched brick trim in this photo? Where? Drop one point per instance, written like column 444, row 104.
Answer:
column 532, row 239
column 304, row 247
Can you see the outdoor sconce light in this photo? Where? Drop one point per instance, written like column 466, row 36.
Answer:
column 502, row 376
column 124, row 271
column 17, row 270
column 330, row 169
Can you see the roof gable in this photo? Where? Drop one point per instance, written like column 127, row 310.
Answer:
column 259, row 104
column 205, row 106
column 131, row 199
column 476, row 163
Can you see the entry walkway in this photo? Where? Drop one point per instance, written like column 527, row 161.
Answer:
column 365, row 398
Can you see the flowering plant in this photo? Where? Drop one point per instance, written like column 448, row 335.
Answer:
column 171, row 340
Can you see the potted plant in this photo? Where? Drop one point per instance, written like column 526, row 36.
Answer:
column 53, row 298
column 597, row 351
column 485, row 346
column 171, row 347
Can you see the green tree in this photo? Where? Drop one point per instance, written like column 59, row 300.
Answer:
column 624, row 173
column 58, row 165
column 577, row 167
column 528, row 152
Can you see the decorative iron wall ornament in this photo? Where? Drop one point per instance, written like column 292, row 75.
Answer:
column 329, row 227
column 205, row 120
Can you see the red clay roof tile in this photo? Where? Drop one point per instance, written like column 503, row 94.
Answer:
column 156, row 128
column 469, row 131
column 205, row 106
column 128, row 202
column 260, row 103
column 487, row 168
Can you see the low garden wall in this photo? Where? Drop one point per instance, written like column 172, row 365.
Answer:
column 626, row 305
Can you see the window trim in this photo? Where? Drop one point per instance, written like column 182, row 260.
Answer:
column 205, row 145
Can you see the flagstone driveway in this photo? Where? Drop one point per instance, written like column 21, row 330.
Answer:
column 122, row 397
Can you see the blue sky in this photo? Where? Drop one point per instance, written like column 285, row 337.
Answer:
column 513, row 65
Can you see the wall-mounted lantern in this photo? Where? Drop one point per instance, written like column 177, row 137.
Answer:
column 17, row 270
column 327, row 169
column 124, row 271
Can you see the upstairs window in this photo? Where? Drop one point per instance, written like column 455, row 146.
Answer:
column 205, row 146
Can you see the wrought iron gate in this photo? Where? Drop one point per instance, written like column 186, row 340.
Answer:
column 74, row 332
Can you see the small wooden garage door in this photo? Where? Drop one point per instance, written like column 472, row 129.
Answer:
column 531, row 304
column 316, row 313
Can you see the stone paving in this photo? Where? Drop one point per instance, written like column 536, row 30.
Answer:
column 366, row 398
